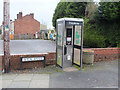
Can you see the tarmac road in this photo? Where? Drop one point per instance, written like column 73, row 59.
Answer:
column 29, row 46
column 103, row 75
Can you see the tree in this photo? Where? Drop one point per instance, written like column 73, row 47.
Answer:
column 90, row 9
column 108, row 11
column 69, row 9
column 92, row 37
column 59, row 12
column 76, row 9
column 103, row 21
column 107, row 19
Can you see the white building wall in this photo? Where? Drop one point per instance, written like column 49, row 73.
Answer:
column 43, row 27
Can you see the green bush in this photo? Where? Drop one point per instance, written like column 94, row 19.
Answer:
column 92, row 38
column 101, row 35
column 102, row 29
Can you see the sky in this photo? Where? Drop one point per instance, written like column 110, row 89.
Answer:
column 43, row 10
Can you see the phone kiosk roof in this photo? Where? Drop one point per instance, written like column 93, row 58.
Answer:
column 70, row 19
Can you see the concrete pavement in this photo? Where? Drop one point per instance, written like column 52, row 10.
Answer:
column 25, row 81
column 102, row 75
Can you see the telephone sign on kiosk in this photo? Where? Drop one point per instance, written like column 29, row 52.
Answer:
column 69, row 42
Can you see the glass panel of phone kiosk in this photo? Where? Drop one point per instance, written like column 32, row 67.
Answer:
column 69, row 42
column 59, row 44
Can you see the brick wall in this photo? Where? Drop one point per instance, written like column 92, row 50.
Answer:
column 15, row 61
column 101, row 54
column 26, row 24
column 50, row 58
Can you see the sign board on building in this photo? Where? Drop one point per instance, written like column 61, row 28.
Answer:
column 73, row 23
column 33, row 59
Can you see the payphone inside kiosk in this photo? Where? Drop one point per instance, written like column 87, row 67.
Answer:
column 69, row 42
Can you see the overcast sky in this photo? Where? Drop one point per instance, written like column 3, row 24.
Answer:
column 43, row 9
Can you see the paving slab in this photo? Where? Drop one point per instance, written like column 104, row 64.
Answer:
column 25, row 77
column 25, row 81
column 6, row 83
column 9, row 76
column 40, row 77
column 19, row 84
column 39, row 84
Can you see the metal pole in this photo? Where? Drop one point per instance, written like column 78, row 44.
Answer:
column 44, row 61
column 81, row 49
column 6, row 28
column 21, row 65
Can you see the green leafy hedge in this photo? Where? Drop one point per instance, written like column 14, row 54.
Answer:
column 92, row 38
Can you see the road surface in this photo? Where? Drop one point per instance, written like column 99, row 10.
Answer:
column 29, row 46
